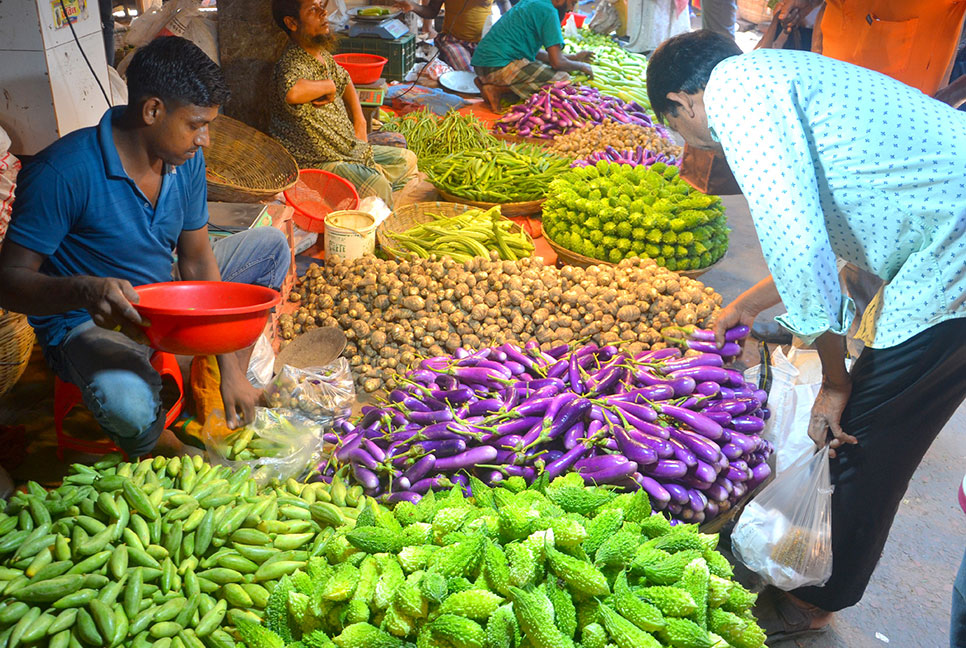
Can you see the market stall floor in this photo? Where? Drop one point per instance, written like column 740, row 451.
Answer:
column 907, row 603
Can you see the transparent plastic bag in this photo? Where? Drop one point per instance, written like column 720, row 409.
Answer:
column 277, row 445
column 319, row 393
column 785, row 533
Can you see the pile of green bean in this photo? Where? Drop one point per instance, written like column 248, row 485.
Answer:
column 432, row 138
column 471, row 234
column 505, row 173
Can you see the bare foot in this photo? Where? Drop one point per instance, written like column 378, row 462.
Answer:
column 490, row 93
column 169, row 445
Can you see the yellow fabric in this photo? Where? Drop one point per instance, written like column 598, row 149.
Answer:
column 621, row 6
column 913, row 41
column 465, row 18
column 205, row 392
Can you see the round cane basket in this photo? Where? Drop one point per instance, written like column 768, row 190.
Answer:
column 414, row 214
column 517, row 139
column 244, row 164
column 16, row 342
column 569, row 257
column 510, row 210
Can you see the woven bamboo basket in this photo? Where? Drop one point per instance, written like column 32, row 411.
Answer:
column 569, row 257
column 414, row 214
column 246, row 165
column 517, row 139
column 16, row 342
column 530, row 208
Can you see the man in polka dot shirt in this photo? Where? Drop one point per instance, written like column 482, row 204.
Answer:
column 840, row 162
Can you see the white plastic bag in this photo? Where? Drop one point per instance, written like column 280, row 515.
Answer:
column 261, row 366
column 277, row 445
column 323, row 394
column 785, row 533
column 375, row 207
column 570, row 27
column 9, row 168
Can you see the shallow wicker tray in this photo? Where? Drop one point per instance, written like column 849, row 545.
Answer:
column 16, row 343
column 517, row 139
column 246, row 165
column 414, row 214
column 530, row 208
column 569, row 257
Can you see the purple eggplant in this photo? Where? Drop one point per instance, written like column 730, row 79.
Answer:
column 729, row 349
column 364, row 476
column 702, row 374
column 657, row 492
column 640, row 412
column 427, row 418
column 575, row 434
column 558, row 466
column 696, row 421
column 667, row 469
column 468, row 459
column 747, row 424
column 600, row 462
column 430, row 483
column 705, row 472
column 759, row 474
column 679, row 494
column 733, row 406
column 610, row 474
column 633, row 449
column 697, row 500
column 721, row 418
column 443, row 448
column 349, row 443
column 420, row 469
column 401, row 496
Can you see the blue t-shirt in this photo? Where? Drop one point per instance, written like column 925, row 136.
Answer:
column 77, row 206
column 520, row 34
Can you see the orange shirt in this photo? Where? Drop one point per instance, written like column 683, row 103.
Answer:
column 913, row 41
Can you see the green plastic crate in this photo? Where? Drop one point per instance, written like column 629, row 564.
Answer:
column 400, row 52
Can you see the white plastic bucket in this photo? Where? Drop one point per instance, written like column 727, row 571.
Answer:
column 349, row 234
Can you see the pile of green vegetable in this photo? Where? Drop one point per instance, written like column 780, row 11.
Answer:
column 432, row 138
column 503, row 173
column 165, row 552
column 473, row 233
column 617, row 72
column 612, row 212
column 553, row 565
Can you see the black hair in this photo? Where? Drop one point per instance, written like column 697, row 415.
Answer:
column 684, row 64
column 282, row 9
column 176, row 71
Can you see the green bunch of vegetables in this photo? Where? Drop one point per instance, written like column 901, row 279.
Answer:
column 174, row 553
column 617, row 72
column 612, row 211
column 431, row 137
column 470, row 234
column 504, row 173
column 556, row 565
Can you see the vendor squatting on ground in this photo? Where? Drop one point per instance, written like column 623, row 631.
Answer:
column 839, row 162
column 523, row 51
column 100, row 211
column 311, row 105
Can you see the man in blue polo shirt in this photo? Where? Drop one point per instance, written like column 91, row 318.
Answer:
column 523, row 51
column 102, row 210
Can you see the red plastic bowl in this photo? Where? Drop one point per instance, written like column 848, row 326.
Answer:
column 363, row 69
column 316, row 194
column 204, row 317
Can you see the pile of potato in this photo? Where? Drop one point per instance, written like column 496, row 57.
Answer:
column 588, row 139
column 395, row 312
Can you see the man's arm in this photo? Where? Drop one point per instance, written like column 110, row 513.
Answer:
column 351, row 99
column 306, row 90
column 954, row 94
column 24, row 289
column 556, row 59
column 428, row 11
column 196, row 262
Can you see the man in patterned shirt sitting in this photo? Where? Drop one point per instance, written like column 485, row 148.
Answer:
column 841, row 163
column 316, row 112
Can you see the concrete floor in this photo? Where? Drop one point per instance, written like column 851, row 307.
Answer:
column 907, row 602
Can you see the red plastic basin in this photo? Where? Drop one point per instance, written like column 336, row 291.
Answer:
column 363, row 69
column 316, row 194
column 204, row 317
column 579, row 19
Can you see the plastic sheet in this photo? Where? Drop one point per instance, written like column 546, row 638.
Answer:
column 322, row 394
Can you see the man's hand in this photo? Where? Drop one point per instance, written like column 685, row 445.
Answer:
column 403, row 6
column 586, row 56
column 587, row 69
column 109, row 302
column 792, row 13
column 325, row 98
column 238, row 396
column 827, row 415
column 732, row 315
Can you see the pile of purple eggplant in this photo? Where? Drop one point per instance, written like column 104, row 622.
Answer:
column 560, row 107
column 681, row 426
column 639, row 156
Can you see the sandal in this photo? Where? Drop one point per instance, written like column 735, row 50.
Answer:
column 781, row 619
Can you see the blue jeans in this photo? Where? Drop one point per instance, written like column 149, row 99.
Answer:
column 118, row 384
column 957, row 621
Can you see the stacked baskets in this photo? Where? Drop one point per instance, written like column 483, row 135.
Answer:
column 16, row 342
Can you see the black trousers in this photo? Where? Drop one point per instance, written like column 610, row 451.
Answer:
column 901, row 399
